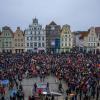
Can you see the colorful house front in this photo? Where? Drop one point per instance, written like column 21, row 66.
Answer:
column 90, row 40
column 53, row 37
column 66, row 39
column 6, row 39
column 19, row 41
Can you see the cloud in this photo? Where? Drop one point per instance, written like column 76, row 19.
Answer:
column 80, row 14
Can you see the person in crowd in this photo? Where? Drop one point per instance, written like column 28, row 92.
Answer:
column 33, row 98
column 98, row 92
column 52, row 98
column 80, row 71
column 47, row 86
column 60, row 87
column 35, row 87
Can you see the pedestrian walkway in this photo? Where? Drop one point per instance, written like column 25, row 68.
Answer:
column 28, row 85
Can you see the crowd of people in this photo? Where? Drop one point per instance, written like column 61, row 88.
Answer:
column 80, row 71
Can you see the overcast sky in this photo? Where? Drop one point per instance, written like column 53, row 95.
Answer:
column 79, row 14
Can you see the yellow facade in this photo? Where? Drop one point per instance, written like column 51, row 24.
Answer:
column 19, row 41
column 66, row 39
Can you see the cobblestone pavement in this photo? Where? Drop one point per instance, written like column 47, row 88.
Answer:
column 53, row 84
column 28, row 85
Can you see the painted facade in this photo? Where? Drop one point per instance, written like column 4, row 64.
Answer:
column 66, row 39
column 6, row 39
column 19, row 41
column 90, row 41
column 53, row 37
column 87, row 40
column 35, row 38
column 97, row 30
column 0, row 42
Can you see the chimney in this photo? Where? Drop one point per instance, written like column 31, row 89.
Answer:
column 18, row 28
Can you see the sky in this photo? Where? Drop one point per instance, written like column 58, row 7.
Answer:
column 79, row 14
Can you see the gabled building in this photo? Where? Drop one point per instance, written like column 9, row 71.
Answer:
column 80, row 40
column 66, row 39
column 97, row 30
column 53, row 37
column 19, row 41
column 77, row 40
column 35, row 38
column 6, row 39
column 0, row 42
column 89, row 40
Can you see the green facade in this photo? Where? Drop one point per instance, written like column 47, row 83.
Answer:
column 6, row 43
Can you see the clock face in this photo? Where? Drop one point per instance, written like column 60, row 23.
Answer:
column 52, row 27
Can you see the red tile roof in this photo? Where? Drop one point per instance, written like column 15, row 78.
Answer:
column 97, row 29
column 84, row 34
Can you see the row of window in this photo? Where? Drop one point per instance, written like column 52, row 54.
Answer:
column 20, row 35
column 36, row 38
column 6, row 34
column 36, row 44
column 19, row 40
column 91, row 39
column 92, row 44
column 67, row 32
column 6, row 39
column 66, row 44
column 35, row 32
column 66, row 39
column 7, row 44
column 7, row 50
column 35, row 28
column 67, row 35
column 19, row 45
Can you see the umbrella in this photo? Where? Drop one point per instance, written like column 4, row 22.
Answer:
column 12, row 92
column 55, row 94
column 52, row 94
column 72, row 94
column 45, row 93
column 5, row 82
